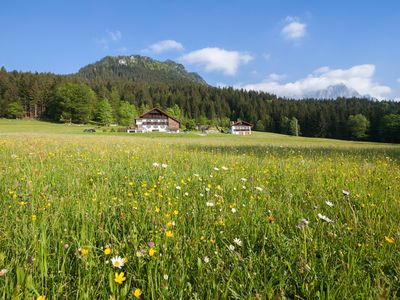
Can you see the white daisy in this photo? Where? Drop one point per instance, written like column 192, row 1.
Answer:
column 325, row 218
column 206, row 259
column 117, row 262
column 164, row 166
column 237, row 241
column 231, row 247
column 210, row 204
column 329, row 203
column 156, row 164
column 178, row 187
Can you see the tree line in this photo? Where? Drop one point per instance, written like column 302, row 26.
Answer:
column 75, row 99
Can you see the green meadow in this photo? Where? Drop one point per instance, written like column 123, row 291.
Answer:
column 111, row 215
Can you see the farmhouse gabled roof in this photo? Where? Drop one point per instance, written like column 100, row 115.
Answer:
column 160, row 111
column 238, row 123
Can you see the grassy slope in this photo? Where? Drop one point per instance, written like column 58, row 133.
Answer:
column 23, row 127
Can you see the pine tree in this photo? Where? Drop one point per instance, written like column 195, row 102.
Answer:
column 104, row 113
column 390, row 128
column 284, row 125
column 260, row 126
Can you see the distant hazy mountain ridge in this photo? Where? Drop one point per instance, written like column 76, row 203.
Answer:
column 336, row 91
column 141, row 69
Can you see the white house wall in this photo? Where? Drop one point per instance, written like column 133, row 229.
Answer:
column 240, row 130
column 161, row 126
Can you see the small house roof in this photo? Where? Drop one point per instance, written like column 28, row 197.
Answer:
column 240, row 122
column 160, row 111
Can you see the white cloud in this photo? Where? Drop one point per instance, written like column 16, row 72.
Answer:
column 115, row 36
column 275, row 77
column 398, row 80
column 294, row 29
column 359, row 78
column 111, row 37
column 163, row 46
column 217, row 60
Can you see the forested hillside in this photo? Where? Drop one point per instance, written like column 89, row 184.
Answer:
column 89, row 96
column 139, row 69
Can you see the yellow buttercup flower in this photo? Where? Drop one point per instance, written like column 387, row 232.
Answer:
column 389, row 240
column 41, row 297
column 107, row 251
column 152, row 251
column 137, row 293
column 120, row 278
column 169, row 234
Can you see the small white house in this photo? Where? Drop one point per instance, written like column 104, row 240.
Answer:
column 155, row 120
column 240, row 127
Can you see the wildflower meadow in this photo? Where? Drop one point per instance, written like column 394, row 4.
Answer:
column 119, row 216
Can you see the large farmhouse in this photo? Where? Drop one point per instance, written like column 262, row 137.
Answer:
column 240, row 127
column 155, row 120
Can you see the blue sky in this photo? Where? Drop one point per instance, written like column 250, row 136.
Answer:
column 286, row 47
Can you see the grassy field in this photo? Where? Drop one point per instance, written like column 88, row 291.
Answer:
column 195, row 217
